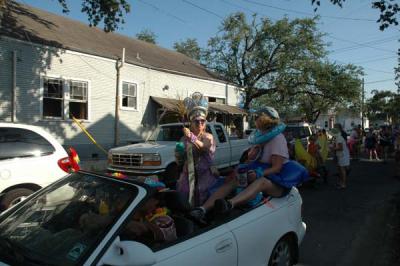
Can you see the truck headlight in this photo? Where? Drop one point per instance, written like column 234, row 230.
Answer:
column 151, row 159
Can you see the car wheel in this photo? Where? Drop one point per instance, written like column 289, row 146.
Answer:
column 13, row 197
column 171, row 175
column 283, row 253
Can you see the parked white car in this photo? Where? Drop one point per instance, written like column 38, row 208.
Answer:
column 96, row 220
column 30, row 158
column 157, row 154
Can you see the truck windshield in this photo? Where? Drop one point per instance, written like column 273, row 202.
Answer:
column 65, row 222
column 167, row 133
column 297, row 132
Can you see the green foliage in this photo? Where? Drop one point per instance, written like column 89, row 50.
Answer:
column 110, row 12
column 147, row 36
column 189, row 47
column 389, row 10
column 383, row 105
column 389, row 13
column 265, row 57
column 329, row 86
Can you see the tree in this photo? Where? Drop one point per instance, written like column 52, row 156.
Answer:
column 383, row 105
column 109, row 12
column 264, row 57
column 147, row 36
column 330, row 86
column 190, row 47
column 389, row 11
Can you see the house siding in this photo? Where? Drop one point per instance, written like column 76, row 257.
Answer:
column 35, row 61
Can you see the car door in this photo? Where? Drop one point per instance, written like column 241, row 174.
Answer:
column 258, row 231
column 223, row 152
column 214, row 247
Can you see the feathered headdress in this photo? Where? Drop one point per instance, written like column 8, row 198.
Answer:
column 196, row 106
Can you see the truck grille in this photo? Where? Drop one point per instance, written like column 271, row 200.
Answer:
column 127, row 160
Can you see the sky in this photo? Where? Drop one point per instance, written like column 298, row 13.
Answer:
column 351, row 32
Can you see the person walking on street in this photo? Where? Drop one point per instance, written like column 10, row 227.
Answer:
column 370, row 144
column 385, row 140
column 342, row 156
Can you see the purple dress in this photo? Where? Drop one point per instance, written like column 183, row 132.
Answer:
column 203, row 160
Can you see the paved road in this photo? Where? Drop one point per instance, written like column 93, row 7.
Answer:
column 352, row 226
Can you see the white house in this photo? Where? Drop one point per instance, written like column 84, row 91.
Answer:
column 346, row 118
column 52, row 67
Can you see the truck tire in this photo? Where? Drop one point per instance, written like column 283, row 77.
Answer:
column 171, row 175
column 13, row 197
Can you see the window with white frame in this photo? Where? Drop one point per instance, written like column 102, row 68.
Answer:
column 216, row 100
column 129, row 95
column 53, row 97
column 58, row 103
column 78, row 100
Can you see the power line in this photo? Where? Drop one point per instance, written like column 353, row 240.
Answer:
column 247, row 9
column 307, row 13
column 374, row 60
column 378, row 81
column 365, row 44
column 361, row 44
column 381, row 71
column 373, row 69
column 164, row 12
column 201, row 8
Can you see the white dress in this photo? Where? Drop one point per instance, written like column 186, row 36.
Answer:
column 343, row 156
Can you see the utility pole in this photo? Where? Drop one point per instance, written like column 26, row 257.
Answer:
column 118, row 64
column 362, row 105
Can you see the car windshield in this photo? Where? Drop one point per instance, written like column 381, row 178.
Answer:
column 167, row 133
column 297, row 132
column 65, row 222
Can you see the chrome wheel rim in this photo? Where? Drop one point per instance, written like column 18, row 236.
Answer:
column 17, row 200
column 281, row 255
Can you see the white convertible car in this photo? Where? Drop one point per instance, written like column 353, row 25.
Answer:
column 90, row 219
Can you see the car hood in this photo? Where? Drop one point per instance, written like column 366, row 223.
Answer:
column 145, row 147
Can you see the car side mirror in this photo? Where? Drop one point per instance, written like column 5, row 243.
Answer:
column 124, row 253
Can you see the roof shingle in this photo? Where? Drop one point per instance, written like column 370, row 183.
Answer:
column 34, row 25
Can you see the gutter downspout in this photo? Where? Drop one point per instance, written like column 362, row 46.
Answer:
column 13, row 85
column 118, row 65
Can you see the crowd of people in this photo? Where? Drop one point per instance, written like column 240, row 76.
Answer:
column 375, row 144
column 268, row 168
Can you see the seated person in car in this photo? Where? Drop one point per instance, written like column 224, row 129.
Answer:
column 149, row 224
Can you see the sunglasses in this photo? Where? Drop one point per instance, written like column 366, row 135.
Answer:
column 200, row 121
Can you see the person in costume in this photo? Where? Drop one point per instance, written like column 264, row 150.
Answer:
column 277, row 173
column 324, row 150
column 198, row 154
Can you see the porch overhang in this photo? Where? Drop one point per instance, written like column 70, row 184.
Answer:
column 170, row 104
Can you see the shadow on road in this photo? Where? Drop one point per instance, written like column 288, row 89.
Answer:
column 355, row 226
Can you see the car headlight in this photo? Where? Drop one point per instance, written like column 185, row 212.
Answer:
column 151, row 159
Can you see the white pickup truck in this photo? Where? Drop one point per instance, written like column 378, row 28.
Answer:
column 156, row 155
